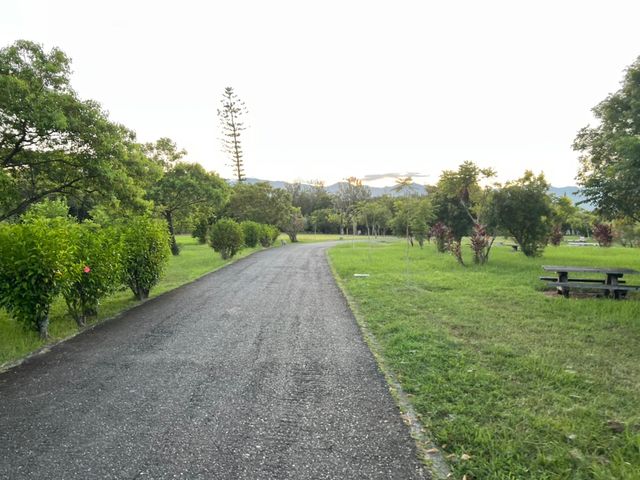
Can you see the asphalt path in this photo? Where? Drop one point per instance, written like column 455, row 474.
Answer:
column 256, row 371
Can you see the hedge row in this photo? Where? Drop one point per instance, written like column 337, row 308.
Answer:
column 227, row 236
column 42, row 258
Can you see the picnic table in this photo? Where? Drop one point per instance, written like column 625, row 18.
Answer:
column 611, row 283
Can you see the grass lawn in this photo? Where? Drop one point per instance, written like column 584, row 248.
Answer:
column 315, row 237
column 194, row 261
column 527, row 385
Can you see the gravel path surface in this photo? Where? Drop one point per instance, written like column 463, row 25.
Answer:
column 257, row 371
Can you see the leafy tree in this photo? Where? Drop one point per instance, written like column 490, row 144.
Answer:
column 458, row 198
column 346, row 200
column 259, row 202
column 294, row 224
column 522, row 208
column 226, row 237
column 35, row 261
column 183, row 187
column 308, row 197
column 251, row 233
column 230, row 115
column 610, row 151
column 53, row 143
column 627, row 232
column 164, row 152
column 145, row 254
column 376, row 215
column 325, row 220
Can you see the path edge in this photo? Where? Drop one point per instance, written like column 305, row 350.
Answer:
column 428, row 452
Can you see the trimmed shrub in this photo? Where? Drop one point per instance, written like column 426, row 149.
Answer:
column 97, row 271
column 35, row 260
column 268, row 235
column 200, row 228
column 251, row 232
column 145, row 254
column 226, row 237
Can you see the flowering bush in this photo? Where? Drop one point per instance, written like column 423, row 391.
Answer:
column 97, row 272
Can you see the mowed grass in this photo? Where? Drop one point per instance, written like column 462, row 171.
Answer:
column 528, row 385
column 194, row 261
column 315, row 237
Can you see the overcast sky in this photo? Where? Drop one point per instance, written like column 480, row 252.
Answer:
column 348, row 88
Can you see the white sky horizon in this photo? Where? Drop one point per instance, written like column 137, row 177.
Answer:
column 350, row 88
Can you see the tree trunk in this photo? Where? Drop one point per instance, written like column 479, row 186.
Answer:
column 175, row 250
column 43, row 327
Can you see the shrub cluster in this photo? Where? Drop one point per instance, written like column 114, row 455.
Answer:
column 43, row 257
column 227, row 236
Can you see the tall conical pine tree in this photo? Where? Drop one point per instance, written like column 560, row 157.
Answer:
column 230, row 115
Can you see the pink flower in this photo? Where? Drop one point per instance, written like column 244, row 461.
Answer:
column 86, row 269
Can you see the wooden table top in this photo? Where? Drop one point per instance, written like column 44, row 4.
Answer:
column 607, row 270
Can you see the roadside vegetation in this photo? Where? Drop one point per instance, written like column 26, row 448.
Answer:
column 194, row 261
column 511, row 381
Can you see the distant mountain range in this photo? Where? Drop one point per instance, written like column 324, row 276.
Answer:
column 570, row 191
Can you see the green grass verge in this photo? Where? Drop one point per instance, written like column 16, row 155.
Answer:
column 194, row 261
column 526, row 384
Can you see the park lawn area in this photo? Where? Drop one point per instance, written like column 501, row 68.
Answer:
column 527, row 384
column 194, row 261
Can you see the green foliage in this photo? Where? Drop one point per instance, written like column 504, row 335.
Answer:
column 36, row 258
column 324, row 220
column 610, row 152
column 97, row 270
column 201, row 229
column 376, row 215
column 145, row 254
column 53, row 143
column 522, row 208
column 294, row 224
column 627, row 232
column 347, row 199
column 458, row 200
column 251, row 233
column 308, row 198
column 183, row 188
column 259, row 202
column 268, row 235
column 47, row 209
column 226, row 237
